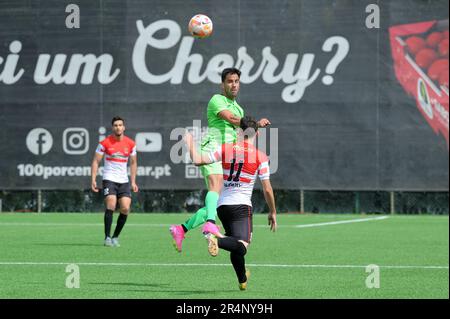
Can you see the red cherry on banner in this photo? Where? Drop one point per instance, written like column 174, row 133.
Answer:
column 415, row 44
column 434, row 38
column 443, row 48
column 435, row 70
column 425, row 58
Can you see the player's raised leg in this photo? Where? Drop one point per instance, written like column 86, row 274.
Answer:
column 208, row 213
column 199, row 218
column 178, row 232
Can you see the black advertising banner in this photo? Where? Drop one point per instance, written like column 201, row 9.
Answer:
column 353, row 102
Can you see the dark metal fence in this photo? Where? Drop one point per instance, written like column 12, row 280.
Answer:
column 288, row 201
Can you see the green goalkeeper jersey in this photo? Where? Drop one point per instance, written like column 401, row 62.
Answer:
column 219, row 130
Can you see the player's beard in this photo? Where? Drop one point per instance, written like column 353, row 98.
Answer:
column 232, row 94
column 118, row 135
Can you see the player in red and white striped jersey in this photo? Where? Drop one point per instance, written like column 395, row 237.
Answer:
column 117, row 149
column 242, row 162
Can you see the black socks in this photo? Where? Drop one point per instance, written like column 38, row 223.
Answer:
column 120, row 223
column 237, row 252
column 238, row 262
column 108, row 222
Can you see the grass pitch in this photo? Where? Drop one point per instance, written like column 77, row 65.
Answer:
column 325, row 257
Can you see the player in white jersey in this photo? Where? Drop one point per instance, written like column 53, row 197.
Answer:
column 117, row 149
column 242, row 162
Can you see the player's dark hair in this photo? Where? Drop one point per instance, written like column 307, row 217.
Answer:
column 117, row 118
column 227, row 71
column 249, row 126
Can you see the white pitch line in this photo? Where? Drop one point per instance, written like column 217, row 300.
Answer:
column 80, row 224
column 342, row 222
column 14, row 263
column 167, row 225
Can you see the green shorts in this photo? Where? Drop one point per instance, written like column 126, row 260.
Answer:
column 210, row 169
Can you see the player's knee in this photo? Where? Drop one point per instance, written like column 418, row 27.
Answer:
column 125, row 210
column 242, row 250
column 215, row 183
column 216, row 187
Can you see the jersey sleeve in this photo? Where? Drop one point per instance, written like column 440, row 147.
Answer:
column 100, row 149
column 216, row 155
column 217, row 104
column 263, row 168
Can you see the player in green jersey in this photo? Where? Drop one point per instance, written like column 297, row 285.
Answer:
column 224, row 116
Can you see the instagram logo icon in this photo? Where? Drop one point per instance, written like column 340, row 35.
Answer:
column 75, row 141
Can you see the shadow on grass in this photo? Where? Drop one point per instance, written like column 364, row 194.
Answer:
column 185, row 292
column 171, row 291
column 132, row 284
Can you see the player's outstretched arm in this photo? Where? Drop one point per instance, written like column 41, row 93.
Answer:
column 270, row 200
column 197, row 159
column 94, row 168
column 236, row 120
column 230, row 118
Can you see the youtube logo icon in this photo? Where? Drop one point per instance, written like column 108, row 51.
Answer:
column 148, row 142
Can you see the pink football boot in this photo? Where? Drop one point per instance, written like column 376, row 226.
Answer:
column 177, row 233
column 210, row 228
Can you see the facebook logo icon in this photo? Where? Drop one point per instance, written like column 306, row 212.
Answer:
column 39, row 141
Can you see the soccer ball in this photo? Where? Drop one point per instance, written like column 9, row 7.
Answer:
column 200, row 26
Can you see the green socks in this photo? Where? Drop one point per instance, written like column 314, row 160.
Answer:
column 197, row 219
column 205, row 213
column 211, row 205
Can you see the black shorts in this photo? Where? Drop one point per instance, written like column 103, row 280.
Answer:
column 237, row 221
column 117, row 189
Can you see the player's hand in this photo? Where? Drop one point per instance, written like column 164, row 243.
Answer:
column 134, row 187
column 272, row 218
column 263, row 122
column 94, row 187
